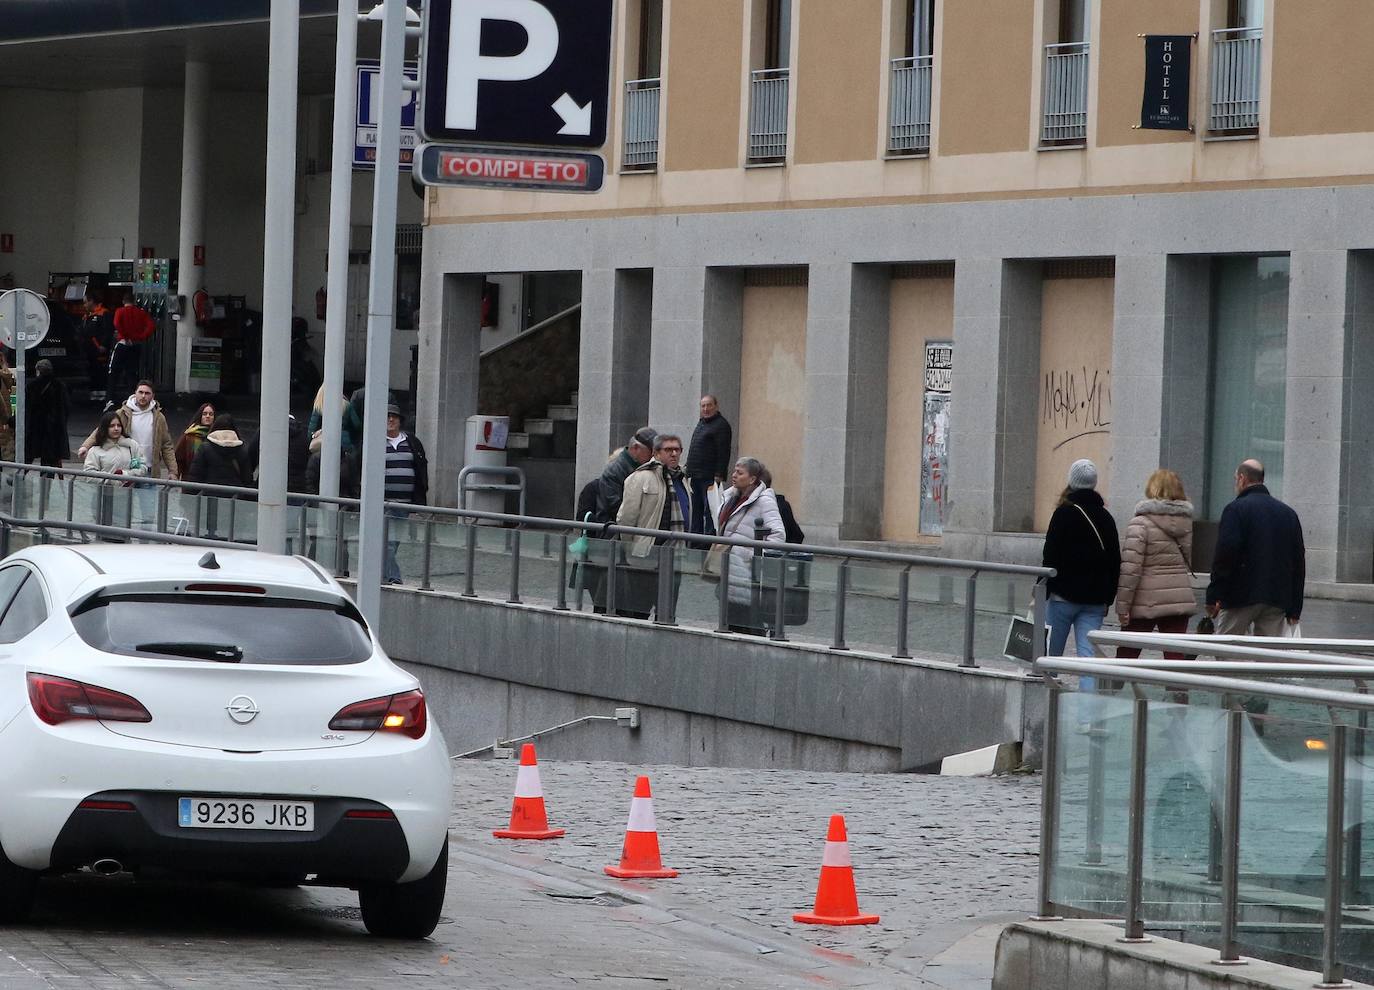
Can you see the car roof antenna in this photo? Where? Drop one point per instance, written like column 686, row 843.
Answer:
column 209, row 562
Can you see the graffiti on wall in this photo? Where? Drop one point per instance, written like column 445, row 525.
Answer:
column 1075, row 403
column 939, row 380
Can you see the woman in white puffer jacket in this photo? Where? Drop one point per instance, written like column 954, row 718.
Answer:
column 113, row 452
column 749, row 501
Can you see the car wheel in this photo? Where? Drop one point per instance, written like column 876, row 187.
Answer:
column 406, row 910
column 17, row 887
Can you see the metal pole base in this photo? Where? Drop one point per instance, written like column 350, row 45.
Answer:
column 1045, row 917
column 1229, row 962
column 1135, row 941
column 1333, row 986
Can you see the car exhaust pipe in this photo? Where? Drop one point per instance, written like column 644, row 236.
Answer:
column 107, row 867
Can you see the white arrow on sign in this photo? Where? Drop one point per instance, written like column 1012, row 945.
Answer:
column 577, row 119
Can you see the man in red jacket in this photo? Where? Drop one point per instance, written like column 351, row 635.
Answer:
column 132, row 326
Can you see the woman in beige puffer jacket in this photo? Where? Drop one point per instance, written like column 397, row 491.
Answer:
column 1155, row 590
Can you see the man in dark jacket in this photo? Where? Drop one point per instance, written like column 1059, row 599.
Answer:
column 97, row 336
column 1260, row 563
column 625, row 461
column 407, row 480
column 708, row 461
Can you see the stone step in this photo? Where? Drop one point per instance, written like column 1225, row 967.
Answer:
column 572, row 399
column 517, row 441
column 562, row 412
column 539, row 427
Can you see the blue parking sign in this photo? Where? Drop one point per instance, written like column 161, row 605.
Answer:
column 365, row 122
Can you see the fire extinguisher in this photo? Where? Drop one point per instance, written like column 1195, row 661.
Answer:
column 200, row 303
column 321, row 302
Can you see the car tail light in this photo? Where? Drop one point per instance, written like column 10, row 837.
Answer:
column 94, row 804
column 403, row 713
column 57, row 699
column 370, row 814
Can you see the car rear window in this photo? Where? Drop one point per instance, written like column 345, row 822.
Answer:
column 226, row 629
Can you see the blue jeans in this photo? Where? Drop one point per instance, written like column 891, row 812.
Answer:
column 1084, row 619
column 701, row 521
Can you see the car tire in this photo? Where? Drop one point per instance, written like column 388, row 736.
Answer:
column 17, row 888
column 406, row 910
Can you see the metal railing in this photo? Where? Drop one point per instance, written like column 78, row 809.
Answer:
column 909, row 105
column 768, row 115
column 641, row 124
column 62, row 504
column 1065, row 115
column 1161, row 714
column 1235, row 79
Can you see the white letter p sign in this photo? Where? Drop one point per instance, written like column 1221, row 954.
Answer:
column 467, row 65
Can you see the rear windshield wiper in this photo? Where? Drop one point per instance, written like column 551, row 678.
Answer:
column 222, row 652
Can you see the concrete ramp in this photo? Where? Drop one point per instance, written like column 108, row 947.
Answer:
column 495, row 670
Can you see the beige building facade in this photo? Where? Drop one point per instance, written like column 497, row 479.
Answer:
column 804, row 199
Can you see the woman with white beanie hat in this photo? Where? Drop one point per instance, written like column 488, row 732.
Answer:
column 1082, row 546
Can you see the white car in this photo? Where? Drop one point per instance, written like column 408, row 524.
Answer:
column 221, row 713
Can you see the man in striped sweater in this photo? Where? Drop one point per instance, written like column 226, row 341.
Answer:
column 407, row 480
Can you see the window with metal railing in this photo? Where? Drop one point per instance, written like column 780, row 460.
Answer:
column 909, row 105
column 1065, row 114
column 641, row 125
column 768, row 90
column 1235, row 80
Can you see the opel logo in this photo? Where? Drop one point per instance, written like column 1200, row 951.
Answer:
column 242, row 709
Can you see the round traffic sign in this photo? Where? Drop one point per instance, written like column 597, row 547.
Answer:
column 24, row 318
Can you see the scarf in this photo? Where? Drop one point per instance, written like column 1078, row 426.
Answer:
column 675, row 506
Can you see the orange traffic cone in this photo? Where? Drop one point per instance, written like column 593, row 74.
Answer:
column 837, row 903
column 527, row 817
column 640, row 856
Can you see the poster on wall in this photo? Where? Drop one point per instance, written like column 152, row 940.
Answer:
column 939, row 381
column 205, row 363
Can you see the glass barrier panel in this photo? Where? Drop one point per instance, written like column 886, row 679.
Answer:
column 1355, row 947
column 870, row 614
column 539, row 575
column 1284, row 769
column 1093, row 763
column 935, row 615
column 698, row 597
column 1184, row 803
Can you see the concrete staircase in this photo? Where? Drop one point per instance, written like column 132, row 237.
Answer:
column 547, row 451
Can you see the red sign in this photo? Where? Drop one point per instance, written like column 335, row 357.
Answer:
column 198, row 255
column 6, row 244
column 512, row 169
column 145, row 252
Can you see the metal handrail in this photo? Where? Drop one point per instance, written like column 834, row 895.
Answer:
column 514, row 524
column 1252, row 664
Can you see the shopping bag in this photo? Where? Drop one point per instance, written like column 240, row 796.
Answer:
column 713, row 562
column 1292, row 630
column 715, row 498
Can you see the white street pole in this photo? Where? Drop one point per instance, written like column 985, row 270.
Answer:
column 195, row 116
column 20, row 423
column 381, row 306
column 278, row 261
column 340, row 219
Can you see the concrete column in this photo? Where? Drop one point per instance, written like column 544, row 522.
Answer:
column 1018, row 394
column 630, row 348
column 450, row 360
column 1139, row 343
column 973, row 418
column 596, row 365
column 846, row 401
column 1318, row 341
column 722, row 345
column 190, row 276
column 695, row 342
column 1355, row 544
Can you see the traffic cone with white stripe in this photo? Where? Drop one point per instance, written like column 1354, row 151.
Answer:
column 837, row 903
column 640, row 856
column 527, row 817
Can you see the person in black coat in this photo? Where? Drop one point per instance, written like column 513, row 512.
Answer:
column 45, row 415
column 221, row 459
column 298, row 477
column 1082, row 546
column 1260, row 564
column 708, row 461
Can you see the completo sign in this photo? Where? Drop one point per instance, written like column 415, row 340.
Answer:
column 509, row 168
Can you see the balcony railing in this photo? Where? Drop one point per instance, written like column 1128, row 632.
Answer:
column 641, row 124
column 768, row 115
column 1066, row 93
column 1235, row 79
column 909, row 110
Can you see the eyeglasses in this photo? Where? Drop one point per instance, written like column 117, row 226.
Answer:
column 671, row 450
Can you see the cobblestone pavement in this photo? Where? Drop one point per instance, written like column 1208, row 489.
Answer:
column 943, row 860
